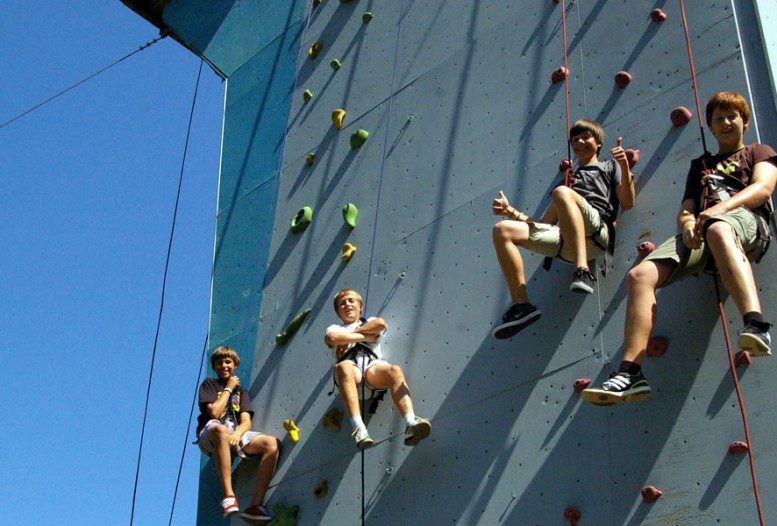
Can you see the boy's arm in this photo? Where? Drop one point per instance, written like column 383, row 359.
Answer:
column 217, row 407
column 752, row 196
column 368, row 332
column 245, row 425
column 686, row 222
column 625, row 188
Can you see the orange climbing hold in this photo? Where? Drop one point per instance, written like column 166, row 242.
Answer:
column 742, row 358
column 559, row 75
column 657, row 15
column 622, row 79
column 632, row 157
column 680, row 116
column 657, row 346
column 738, row 447
column 564, row 165
column 651, row 494
column 645, row 248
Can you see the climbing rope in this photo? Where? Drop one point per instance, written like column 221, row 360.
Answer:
column 164, row 287
column 566, row 89
column 85, row 79
column 721, row 309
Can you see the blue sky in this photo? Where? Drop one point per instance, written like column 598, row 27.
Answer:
column 89, row 185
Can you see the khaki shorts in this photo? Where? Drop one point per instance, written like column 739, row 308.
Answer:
column 546, row 239
column 692, row 261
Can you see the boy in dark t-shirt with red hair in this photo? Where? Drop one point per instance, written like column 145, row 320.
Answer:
column 724, row 219
column 224, row 430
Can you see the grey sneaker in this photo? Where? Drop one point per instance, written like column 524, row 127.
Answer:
column 362, row 438
column 583, row 281
column 516, row 318
column 755, row 341
column 619, row 388
column 418, row 431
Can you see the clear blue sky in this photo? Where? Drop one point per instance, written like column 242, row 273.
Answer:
column 88, row 190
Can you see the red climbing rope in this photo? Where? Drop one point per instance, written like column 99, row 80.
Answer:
column 568, row 174
column 723, row 321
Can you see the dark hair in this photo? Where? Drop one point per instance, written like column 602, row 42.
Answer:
column 588, row 125
column 224, row 352
column 728, row 100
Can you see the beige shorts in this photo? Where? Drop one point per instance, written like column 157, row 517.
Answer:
column 692, row 261
column 207, row 447
column 546, row 239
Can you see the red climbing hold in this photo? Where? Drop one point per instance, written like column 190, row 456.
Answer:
column 657, row 346
column 657, row 15
column 651, row 494
column 632, row 157
column 572, row 515
column 581, row 384
column 645, row 248
column 564, row 165
column 559, row 75
column 622, row 79
column 742, row 358
column 680, row 116
column 738, row 447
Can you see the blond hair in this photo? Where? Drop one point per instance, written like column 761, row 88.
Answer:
column 345, row 292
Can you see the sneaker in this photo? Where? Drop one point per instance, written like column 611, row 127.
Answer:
column 755, row 341
column 583, row 281
column 619, row 388
column 515, row 319
column 418, row 431
column 257, row 513
column 229, row 506
column 362, row 438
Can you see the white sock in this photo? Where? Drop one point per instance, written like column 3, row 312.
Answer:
column 357, row 421
column 410, row 418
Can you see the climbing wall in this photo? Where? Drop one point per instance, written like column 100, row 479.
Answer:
column 457, row 103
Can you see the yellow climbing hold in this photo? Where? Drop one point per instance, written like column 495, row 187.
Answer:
column 348, row 251
column 310, row 158
column 291, row 429
column 315, row 49
column 332, row 419
column 321, row 490
column 338, row 116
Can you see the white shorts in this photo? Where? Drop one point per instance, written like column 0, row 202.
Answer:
column 363, row 363
column 207, row 447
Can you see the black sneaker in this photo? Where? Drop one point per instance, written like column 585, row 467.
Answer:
column 755, row 341
column 619, row 388
column 583, row 281
column 516, row 318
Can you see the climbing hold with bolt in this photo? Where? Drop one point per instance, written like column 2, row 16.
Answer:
column 559, row 75
column 348, row 252
column 332, row 419
column 657, row 346
column 284, row 516
column 315, row 49
column 358, row 138
column 282, row 337
column 335, row 64
column 321, row 490
column 564, row 165
column 622, row 79
column 350, row 213
column 651, row 494
column 310, row 158
column 366, row 17
column 645, row 248
column 572, row 514
column 680, row 116
column 738, row 447
column 581, row 384
column 338, row 116
column 301, row 221
column 291, row 430
column 632, row 157
column 307, row 95
column 657, row 15
column 742, row 358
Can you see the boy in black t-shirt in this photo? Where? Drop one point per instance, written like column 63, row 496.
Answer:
column 576, row 227
column 224, row 430
column 724, row 219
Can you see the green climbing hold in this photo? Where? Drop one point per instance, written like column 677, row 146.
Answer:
column 350, row 212
column 358, row 138
column 366, row 17
column 315, row 49
column 282, row 337
column 284, row 516
column 335, row 64
column 307, row 95
column 302, row 219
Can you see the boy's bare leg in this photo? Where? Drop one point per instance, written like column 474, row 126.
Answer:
column 507, row 235
column 348, row 378
column 385, row 375
column 269, row 448
column 733, row 266
column 222, row 457
column 570, row 221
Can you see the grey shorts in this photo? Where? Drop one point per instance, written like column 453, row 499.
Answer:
column 546, row 239
column 207, row 447
column 692, row 261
